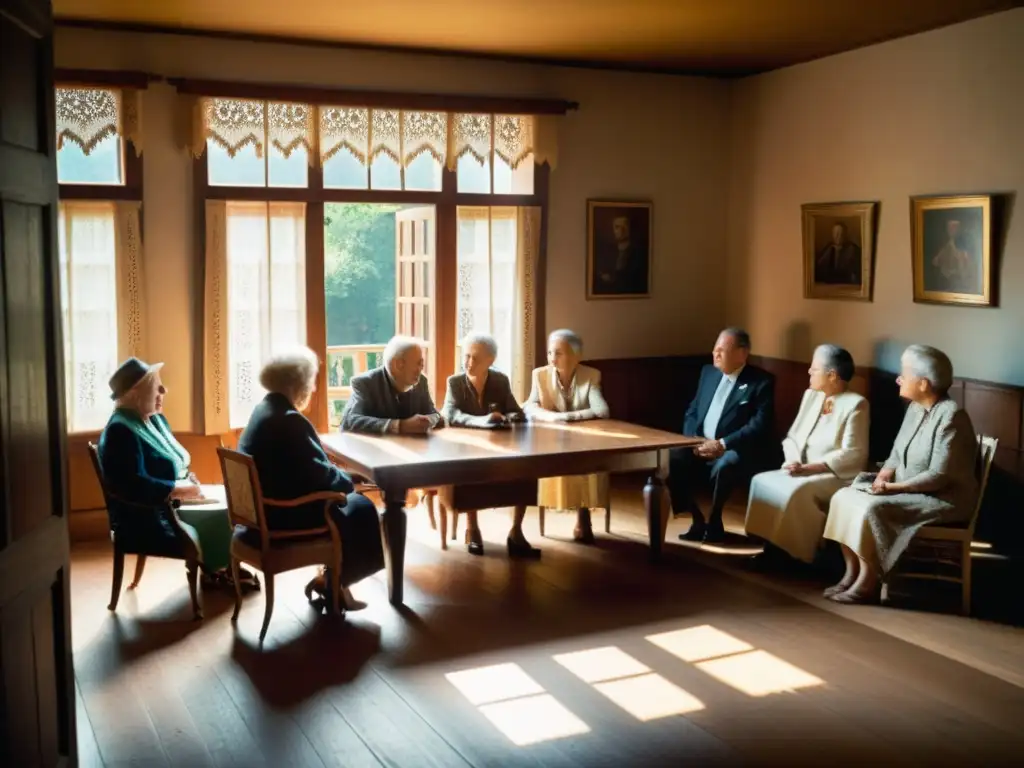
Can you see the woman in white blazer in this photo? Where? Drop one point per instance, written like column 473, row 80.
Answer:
column 565, row 391
column 826, row 448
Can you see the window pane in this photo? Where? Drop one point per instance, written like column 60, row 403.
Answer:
column 344, row 171
column 385, row 173
column 473, row 176
column 291, row 171
column 87, row 250
column 513, row 182
column 103, row 165
column 242, row 170
column 423, row 173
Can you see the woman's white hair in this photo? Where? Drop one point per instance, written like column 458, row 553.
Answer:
column 397, row 348
column 569, row 337
column 931, row 364
column 291, row 373
column 484, row 340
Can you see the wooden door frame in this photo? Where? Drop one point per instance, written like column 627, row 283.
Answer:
column 446, row 203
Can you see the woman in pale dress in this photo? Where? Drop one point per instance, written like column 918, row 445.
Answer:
column 826, row 448
column 564, row 391
column 930, row 477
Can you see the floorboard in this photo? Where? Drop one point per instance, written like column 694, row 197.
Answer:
column 590, row 656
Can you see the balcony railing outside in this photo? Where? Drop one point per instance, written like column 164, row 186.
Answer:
column 344, row 362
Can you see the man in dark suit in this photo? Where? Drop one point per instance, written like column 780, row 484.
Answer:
column 734, row 412
column 395, row 398
column 839, row 261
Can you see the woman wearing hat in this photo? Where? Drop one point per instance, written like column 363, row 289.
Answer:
column 143, row 463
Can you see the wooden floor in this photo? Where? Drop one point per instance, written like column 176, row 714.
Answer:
column 589, row 657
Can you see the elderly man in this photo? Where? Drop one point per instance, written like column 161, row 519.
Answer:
column 735, row 414
column 393, row 399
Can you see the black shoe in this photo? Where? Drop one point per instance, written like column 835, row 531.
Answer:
column 522, row 549
column 696, row 533
column 714, row 534
column 475, row 548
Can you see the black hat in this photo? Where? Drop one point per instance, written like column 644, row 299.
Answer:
column 131, row 372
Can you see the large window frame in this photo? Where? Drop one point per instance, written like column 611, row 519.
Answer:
column 130, row 190
column 446, row 203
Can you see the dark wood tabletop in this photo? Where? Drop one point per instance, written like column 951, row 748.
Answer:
column 532, row 450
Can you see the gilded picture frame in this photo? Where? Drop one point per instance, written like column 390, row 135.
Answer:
column 839, row 250
column 951, row 250
column 619, row 235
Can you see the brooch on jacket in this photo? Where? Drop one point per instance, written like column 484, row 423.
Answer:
column 826, row 409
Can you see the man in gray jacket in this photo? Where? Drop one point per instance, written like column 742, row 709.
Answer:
column 393, row 399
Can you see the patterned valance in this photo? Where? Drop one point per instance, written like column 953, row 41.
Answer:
column 366, row 133
column 86, row 116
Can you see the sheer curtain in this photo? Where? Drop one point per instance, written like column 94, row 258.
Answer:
column 255, row 301
column 497, row 252
column 100, row 247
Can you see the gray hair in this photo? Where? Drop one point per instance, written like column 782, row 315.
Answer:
column 291, row 373
column 398, row 347
column 741, row 337
column 836, row 359
column 931, row 364
column 569, row 337
column 484, row 340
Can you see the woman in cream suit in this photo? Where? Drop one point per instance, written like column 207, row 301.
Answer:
column 563, row 391
column 826, row 448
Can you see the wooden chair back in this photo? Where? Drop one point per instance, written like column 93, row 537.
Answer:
column 243, row 491
column 94, row 454
column 986, row 456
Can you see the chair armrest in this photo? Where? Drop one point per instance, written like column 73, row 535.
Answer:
column 325, row 496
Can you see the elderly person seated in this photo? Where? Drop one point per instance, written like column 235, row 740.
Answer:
column 395, row 398
column 826, row 447
column 291, row 462
column 144, row 464
column 563, row 391
column 481, row 398
column 930, row 477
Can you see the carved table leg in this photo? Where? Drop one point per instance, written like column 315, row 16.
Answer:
column 393, row 524
column 657, row 506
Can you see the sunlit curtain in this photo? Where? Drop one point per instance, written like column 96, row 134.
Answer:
column 497, row 251
column 255, row 301
column 87, row 242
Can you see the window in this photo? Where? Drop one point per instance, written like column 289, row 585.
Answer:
column 253, row 143
column 260, row 248
column 501, row 142
column 89, row 131
column 87, row 244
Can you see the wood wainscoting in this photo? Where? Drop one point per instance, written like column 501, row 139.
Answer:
column 655, row 391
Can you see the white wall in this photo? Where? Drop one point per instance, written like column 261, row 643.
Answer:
column 636, row 136
column 937, row 113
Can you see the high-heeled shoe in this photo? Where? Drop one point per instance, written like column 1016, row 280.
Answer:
column 521, row 549
column 474, row 546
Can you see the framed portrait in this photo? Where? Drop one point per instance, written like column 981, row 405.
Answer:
column 618, row 249
column 951, row 247
column 839, row 249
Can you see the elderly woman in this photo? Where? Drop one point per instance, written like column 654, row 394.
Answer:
column 826, row 447
column 291, row 462
column 144, row 464
column 564, row 391
column 481, row 398
column 930, row 477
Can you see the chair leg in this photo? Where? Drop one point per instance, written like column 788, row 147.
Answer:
column 335, row 575
column 608, row 517
column 192, row 572
column 455, row 523
column 115, row 587
column 269, row 577
column 444, row 524
column 540, row 519
column 140, row 565
column 235, row 577
column 965, row 577
column 429, row 500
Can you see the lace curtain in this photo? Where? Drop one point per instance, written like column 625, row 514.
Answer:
column 402, row 135
column 255, row 301
column 498, row 248
column 87, row 116
column 101, row 300
column 237, row 123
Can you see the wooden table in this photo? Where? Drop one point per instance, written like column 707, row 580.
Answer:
column 529, row 451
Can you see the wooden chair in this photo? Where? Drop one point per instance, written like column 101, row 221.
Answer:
column 275, row 552
column 192, row 552
column 940, row 541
